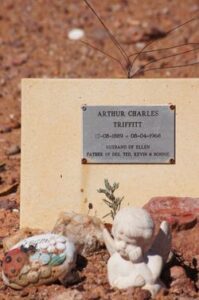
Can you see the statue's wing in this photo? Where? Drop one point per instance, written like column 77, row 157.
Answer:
column 162, row 243
column 109, row 241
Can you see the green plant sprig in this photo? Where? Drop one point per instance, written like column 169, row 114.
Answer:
column 114, row 203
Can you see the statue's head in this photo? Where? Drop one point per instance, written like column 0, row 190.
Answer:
column 132, row 227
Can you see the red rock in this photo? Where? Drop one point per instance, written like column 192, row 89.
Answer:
column 177, row 272
column 20, row 59
column 186, row 242
column 13, row 150
column 181, row 283
column 7, row 204
column 181, row 213
column 5, row 129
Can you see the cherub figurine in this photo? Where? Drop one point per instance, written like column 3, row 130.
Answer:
column 136, row 258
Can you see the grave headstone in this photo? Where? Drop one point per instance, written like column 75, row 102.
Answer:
column 142, row 133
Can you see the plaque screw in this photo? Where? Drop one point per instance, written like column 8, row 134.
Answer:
column 172, row 161
column 84, row 161
column 84, row 108
column 172, row 107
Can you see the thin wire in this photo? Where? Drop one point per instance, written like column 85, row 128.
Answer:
column 168, row 32
column 166, row 48
column 105, row 53
column 113, row 39
column 169, row 56
column 127, row 69
column 169, row 67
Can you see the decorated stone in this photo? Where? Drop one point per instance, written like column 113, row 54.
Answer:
column 38, row 260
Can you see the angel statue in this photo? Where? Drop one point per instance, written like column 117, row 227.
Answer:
column 136, row 257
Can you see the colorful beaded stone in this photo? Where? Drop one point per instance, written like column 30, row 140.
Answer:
column 38, row 260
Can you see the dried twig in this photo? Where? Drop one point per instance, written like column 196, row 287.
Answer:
column 126, row 63
column 9, row 190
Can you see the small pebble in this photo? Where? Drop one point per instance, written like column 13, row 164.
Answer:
column 177, row 272
column 35, row 257
column 60, row 246
column 5, row 129
column 45, row 272
column 43, row 245
column 22, row 281
column 61, row 240
column 140, row 45
column 13, row 150
column 24, row 293
column 51, row 249
column 76, row 34
column 33, row 277
column 165, row 11
column 194, row 8
column 44, row 258
column 52, row 242
column 11, row 116
column 25, row 269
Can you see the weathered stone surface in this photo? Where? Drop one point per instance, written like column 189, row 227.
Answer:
column 181, row 283
column 183, row 215
column 68, row 295
column 186, row 242
column 13, row 150
column 177, row 272
column 181, row 212
column 8, row 204
column 85, row 231
column 39, row 260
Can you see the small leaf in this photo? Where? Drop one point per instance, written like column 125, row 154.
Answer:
column 112, row 202
column 116, row 186
column 108, row 203
column 57, row 259
column 112, row 215
column 107, row 185
column 110, row 196
column 106, row 215
column 101, row 191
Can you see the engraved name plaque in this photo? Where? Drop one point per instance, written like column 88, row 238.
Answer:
column 129, row 134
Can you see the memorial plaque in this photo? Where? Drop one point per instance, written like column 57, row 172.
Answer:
column 129, row 134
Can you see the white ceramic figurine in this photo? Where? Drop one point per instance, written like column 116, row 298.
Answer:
column 136, row 258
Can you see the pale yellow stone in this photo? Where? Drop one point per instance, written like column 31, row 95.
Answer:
column 25, row 269
column 45, row 272
column 52, row 176
column 22, row 281
column 33, row 277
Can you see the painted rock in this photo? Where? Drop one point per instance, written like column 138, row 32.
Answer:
column 38, row 260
